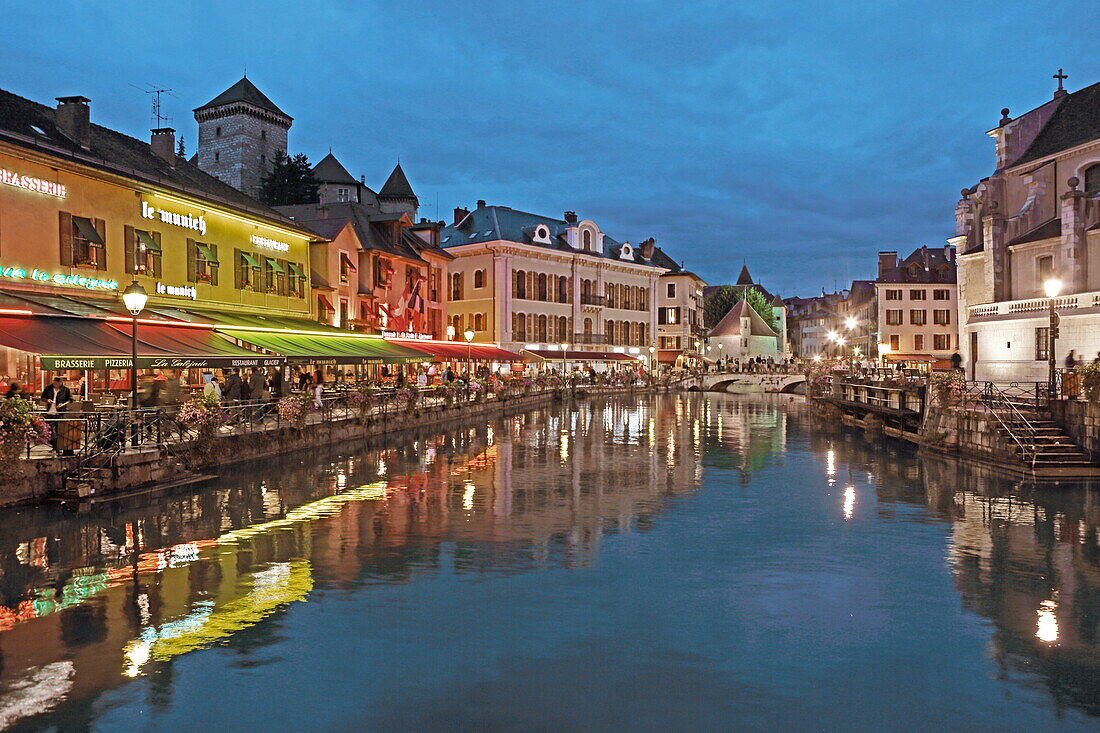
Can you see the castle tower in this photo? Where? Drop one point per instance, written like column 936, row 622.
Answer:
column 396, row 194
column 240, row 133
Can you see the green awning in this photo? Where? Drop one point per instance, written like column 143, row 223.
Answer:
column 207, row 253
column 325, row 349
column 274, row 265
column 147, row 241
column 295, row 270
column 252, row 261
column 87, row 230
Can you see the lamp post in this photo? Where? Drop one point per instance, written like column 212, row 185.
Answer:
column 653, row 358
column 469, row 334
column 564, row 348
column 1052, row 288
column 451, row 333
column 720, row 360
column 135, row 298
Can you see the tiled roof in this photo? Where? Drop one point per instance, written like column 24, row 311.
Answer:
column 397, row 185
column 493, row 223
column 328, row 219
column 244, row 91
column 1075, row 122
column 924, row 265
column 744, row 278
column 33, row 125
column 730, row 325
column 329, row 170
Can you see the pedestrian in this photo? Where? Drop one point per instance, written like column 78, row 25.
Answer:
column 275, row 383
column 56, row 397
column 1071, row 360
column 956, row 361
column 318, row 388
column 14, row 390
column 212, row 389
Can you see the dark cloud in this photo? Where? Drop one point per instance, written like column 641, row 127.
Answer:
column 800, row 138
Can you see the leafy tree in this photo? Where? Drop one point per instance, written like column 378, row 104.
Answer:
column 290, row 182
column 724, row 297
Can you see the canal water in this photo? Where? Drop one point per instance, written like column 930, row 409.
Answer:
column 678, row 562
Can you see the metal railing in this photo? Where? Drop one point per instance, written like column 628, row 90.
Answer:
column 999, row 400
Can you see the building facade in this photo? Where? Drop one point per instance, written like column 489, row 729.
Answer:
column 742, row 334
column 1036, row 218
column 918, row 306
column 681, row 335
column 532, row 282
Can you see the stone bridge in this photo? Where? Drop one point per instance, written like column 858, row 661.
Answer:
column 748, row 383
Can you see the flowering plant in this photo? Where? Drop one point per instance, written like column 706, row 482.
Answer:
column 204, row 413
column 293, row 408
column 20, row 427
column 948, row 387
column 1090, row 381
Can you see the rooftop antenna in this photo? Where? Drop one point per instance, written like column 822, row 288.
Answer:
column 156, row 117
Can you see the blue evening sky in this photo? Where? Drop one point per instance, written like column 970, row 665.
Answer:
column 798, row 137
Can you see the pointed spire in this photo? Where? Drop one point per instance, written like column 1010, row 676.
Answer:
column 329, row 170
column 397, row 185
column 745, row 278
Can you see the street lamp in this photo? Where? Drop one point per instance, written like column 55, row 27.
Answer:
column 564, row 349
column 469, row 334
column 653, row 358
column 451, row 332
column 134, row 298
column 720, row 360
column 1052, row 287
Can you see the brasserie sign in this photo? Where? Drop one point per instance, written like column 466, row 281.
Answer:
column 53, row 363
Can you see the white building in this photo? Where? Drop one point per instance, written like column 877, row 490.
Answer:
column 742, row 334
column 531, row 282
column 1036, row 218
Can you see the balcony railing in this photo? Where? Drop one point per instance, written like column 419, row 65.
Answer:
column 1034, row 305
column 592, row 299
column 590, row 338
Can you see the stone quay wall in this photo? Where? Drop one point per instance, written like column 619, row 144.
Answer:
column 180, row 462
column 1081, row 420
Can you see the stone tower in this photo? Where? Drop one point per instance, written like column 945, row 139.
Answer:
column 396, row 195
column 240, row 133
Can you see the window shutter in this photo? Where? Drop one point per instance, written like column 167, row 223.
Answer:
column 213, row 269
column 129, row 245
column 238, row 269
column 157, row 256
column 284, row 277
column 101, row 260
column 192, row 253
column 65, row 228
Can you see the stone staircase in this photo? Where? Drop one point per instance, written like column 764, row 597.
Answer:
column 1038, row 440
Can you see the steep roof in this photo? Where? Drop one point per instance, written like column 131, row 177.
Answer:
column 493, row 223
column 329, row 170
column 744, row 278
column 328, row 219
column 924, row 265
column 730, row 325
column 244, row 91
column 1075, row 122
column 33, row 125
column 397, row 185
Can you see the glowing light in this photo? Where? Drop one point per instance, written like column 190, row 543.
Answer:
column 849, row 501
column 830, row 462
column 832, row 335
column 850, row 322
column 468, row 497
column 1052, row 287
column 817, row 357
column 1046, row 628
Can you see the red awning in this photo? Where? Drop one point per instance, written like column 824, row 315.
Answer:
column 549, row 355
column 668, row 357
column 326, row 303
column 193, row 345
column 458, row 350
column 347, row 262
column 66, row 336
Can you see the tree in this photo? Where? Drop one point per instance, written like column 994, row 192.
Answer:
column 290, row 182
column 724, row 297
column 181, row 150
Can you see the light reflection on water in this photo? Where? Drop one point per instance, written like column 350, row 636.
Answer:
column 680, row 561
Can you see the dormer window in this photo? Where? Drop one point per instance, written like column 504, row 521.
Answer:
column 343, row 195
column 586, row 240
column 626, row 252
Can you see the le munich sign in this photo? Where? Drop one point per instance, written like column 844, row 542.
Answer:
column 186, row 221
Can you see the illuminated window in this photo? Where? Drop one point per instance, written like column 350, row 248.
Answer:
column 1042, row 344
column 203, row 262
column 893, row 317
column 143, row 252
column 343, row 195
column 82, row 242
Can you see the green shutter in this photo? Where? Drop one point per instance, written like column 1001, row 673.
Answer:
column 65, row 230
column 192, row 255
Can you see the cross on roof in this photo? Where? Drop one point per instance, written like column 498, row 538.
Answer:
column 1060, row 77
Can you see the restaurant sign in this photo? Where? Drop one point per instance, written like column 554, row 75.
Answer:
column 268, row 243
column 179, row 291
column 53, row 363
column 187, row 221
column 411, row 335
column 58, row 278
column 31, row 183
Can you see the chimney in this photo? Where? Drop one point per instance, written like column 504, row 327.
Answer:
column 886, row 261
column 163, row 143
column 949, row 253
column 72, row 119
column 460, row 214
column 571, row 217
column 481, row 203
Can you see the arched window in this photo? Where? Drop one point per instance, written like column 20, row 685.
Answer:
column 479, row 278
column 563, row 329
column 521, row 284
column 456, row 321
column 519, row 327
column 543, row 334
column 609, row 332
column 586, row 240
column 587, row 326
column 1092, row 179
column 563, row 290
column 586, row 289
column 479, row 321
column 456, row 286
column 542, row 286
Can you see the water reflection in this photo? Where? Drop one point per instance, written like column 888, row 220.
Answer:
column 740, row 522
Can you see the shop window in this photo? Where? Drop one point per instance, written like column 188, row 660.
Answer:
column 82, row 242
column 143, row 252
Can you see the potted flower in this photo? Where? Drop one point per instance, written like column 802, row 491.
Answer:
column 948, row 388
column 19, row 427
column 294, row 408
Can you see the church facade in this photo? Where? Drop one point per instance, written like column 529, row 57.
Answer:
column 1036, row 218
